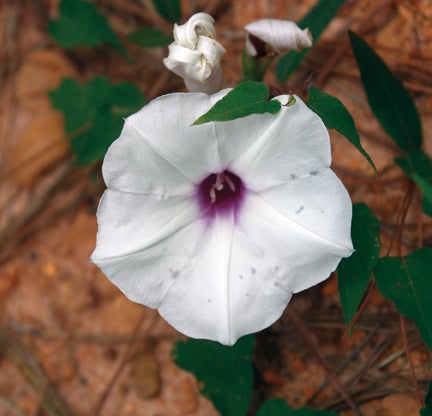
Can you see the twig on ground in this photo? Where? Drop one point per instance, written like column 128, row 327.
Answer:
column 38, row 202
column 128, row 354
column 346, row 361
column 18, row 354
column 11, row 406
column 14, row 230
column 303, row 331
column 382, row 345
column 148, row 13
column 370, row 289
column 410, row 361
column 91, row 339
column 420, row 225
column 401, row 218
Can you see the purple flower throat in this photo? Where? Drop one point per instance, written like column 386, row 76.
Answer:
column 220, row 193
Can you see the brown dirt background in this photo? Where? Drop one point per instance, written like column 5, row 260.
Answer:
column 71, row 340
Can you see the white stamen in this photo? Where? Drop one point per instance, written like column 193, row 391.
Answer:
column 229, row 182
column 212, row 193
column 219, row 181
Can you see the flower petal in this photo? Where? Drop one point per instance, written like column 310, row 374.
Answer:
column 189, row 286
column 294, row 143
column 319, row 203
column 165, row 125
column 236, row 137
column 129, row 223
column 197, row 303
column 246, row 269
column 149, row 157
column 299, row 256
column 216, row 287
column 132, row 165
column 227, row 292
column 145, row 276
column 257, row 299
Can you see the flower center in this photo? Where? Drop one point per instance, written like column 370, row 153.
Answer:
column 220, row 193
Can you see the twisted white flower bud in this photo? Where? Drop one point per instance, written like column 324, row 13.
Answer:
column 277, row 35
column 195, row 55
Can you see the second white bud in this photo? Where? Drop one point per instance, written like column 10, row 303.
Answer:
column 267, row 36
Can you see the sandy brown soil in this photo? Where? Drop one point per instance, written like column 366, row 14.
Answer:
column 71, row 341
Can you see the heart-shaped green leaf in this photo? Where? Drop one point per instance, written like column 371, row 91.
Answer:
column 407, row 282
column 225, row 372
column 389, row 100
column 81, row 24
column 336, row 116
column 247, row 98
column 354, row 272
column 94, row 113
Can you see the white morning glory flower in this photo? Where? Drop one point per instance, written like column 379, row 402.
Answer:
column 195, row 55
column 268, row 36
column 217, row 225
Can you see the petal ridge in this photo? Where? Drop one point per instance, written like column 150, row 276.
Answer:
column 339, row 248
column 259, row 144
column 170, row 132
column 294, row 178
column 162, row 235
column 228, row 274
column 158, row 150
column 294, row 142
column 209, row 271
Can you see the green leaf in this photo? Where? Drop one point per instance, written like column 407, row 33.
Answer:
column 316, row 20
column 418, row 166
column 390, row 102
column 427, row 411
column 336, row 116
column 279, row 407
column 407, row 282
column 94, row 113
column 354, row 273
column 169, row 9
column 81, row 24
column 150, row 37
column 247, row 98
column 226, row 372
